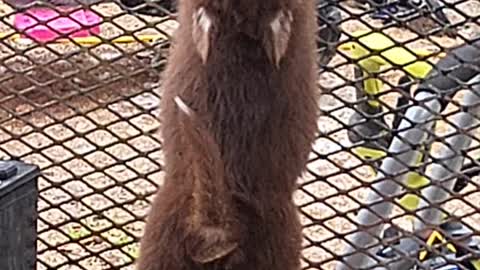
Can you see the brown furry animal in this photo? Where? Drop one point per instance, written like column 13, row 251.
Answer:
column 239, row 116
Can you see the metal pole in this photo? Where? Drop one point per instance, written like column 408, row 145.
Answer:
column 450, row 158
column 449, row 162
column 402, row 155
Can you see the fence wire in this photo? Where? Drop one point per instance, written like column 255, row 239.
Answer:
column 392, row 179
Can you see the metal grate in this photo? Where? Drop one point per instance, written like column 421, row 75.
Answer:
column 84, row 110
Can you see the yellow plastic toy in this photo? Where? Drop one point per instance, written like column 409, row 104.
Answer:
column 92, row 40
column 374, row 52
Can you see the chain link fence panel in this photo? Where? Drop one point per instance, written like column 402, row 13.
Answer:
column 392, row 180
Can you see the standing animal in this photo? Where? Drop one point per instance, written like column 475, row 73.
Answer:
column 239, row 115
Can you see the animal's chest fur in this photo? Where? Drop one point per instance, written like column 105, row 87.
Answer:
column 246, row 102
column 245, row 118
column 243, row 96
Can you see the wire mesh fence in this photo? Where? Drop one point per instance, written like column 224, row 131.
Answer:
column 392, row 179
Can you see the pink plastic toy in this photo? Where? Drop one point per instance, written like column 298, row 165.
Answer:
column 83, row 24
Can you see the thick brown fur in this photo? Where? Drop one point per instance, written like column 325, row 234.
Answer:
column 234, row 149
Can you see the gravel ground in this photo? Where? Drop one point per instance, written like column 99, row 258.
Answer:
column 87, row 118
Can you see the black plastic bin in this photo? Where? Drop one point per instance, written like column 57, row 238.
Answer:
column 18, row 215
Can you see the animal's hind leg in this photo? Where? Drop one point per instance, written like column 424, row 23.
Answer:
column 160, row 253
column 162, row 244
